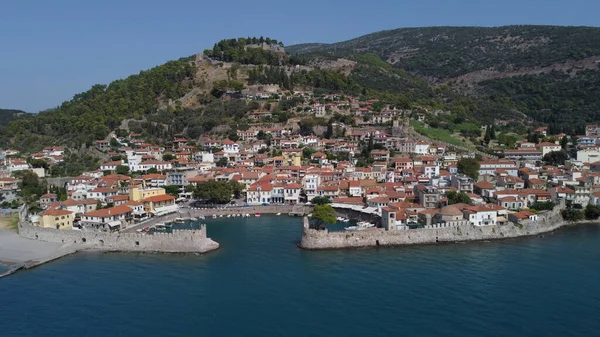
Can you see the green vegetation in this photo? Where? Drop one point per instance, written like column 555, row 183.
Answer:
column 32, row 188
column 249, row 51
column 325, row 81
column 469, row 167
column 320, row 201
column 172, row 190
column 92, row 114
column 6, row 116
column 322, row 215
column 571, row 214
column 446, row 52
column 542, row 206
column 217, row 192
column 592, row 212
column 457, row 198
column 74, row 164
column 438, row 134
column 562, row 100
column 556, row 157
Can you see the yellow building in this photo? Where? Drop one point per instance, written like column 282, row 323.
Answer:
column 57, row 218
column 139, row 194
column 160, row 204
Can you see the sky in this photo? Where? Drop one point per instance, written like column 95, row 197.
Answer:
column 52, row 50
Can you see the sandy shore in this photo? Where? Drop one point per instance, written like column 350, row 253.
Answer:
column 18, row 252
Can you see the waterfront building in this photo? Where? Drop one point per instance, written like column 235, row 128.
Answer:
column 56, row 218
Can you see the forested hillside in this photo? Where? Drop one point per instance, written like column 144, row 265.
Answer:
column 92, row 114
column 549, row 73
column 6, row 116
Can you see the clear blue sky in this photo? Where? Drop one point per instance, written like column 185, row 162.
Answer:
column 51, row 50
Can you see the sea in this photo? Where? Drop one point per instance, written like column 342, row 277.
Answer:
column 259, row 283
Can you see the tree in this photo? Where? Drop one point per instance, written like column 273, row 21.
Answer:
column 469, row 167
column 571, row 214
column 322, row 215
column 168, row 157
column 152, row 170
column 592, row 212
column 222, row 162
column 172, row 190
column 98, row 204
column 31, row 186
column 542, row 206
column 556, row 157
column 307, row 152
column 458, row 198
column 487, row 137
column 493, row 132
column 122, row 169
column 329, row 133
column 218, row 192
column 564, row 141
column 320, row 200
column 114, row 143
column 261, row 135
column 37, row 163
column 236, row 188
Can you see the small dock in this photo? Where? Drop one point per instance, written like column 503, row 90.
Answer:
column 296, row 214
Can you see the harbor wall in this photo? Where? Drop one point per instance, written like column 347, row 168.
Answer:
column 323, row 239
column 271, row 209
column 180, row 241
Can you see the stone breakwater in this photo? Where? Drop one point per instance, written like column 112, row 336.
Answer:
column 323, row 239
column 180, row 241
column 271, row 209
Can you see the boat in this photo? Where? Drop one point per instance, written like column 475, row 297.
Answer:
column 257, row 214
column 214, row 216
column 345, row 220
column 229, row 215
column 364, row 224
column 202, row 217
column 351, row 228
column 247, row 215
column 195, row 219
column 169, row 225
column 220, row 215
column 278, row 214
column 160, row 226
column 179, row 220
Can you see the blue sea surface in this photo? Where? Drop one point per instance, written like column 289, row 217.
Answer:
column 260, row 284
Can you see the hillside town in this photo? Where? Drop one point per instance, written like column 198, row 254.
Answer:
column 379, row 165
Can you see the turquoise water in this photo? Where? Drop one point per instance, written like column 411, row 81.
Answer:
column 260, row 284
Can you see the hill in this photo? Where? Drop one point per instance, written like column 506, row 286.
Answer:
column 526, row 74
column 549, row 73
column 7, row 116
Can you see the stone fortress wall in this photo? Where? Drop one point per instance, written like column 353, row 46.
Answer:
column 323, row 239
column 180, row 241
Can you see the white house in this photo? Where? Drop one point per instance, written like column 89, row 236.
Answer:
column 310, row 183
column 421, row 148
column 231, row 147
column 291, row 193
column 480, row 215
column 259, row 193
